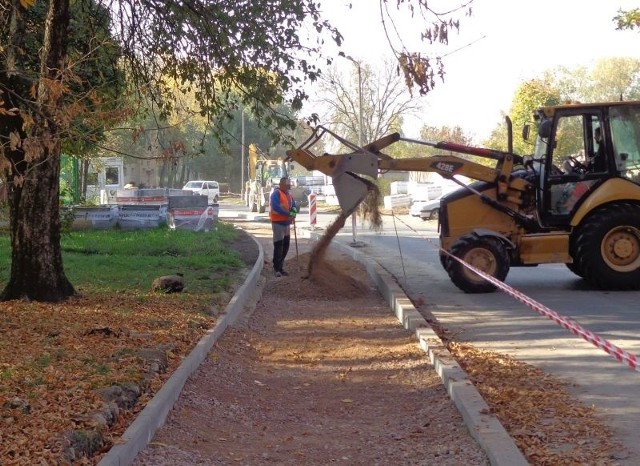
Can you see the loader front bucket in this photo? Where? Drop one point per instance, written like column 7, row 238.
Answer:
column 350, row 188
column 350, row 191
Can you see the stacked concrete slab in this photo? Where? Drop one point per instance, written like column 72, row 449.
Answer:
column 149, row 208
column 191, row 213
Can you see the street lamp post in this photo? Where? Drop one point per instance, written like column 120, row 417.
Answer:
column 242, row 188
column 355, row 242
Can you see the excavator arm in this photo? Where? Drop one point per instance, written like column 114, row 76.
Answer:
column 369, row 160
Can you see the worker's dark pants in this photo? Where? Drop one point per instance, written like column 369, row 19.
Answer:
column 280, row 250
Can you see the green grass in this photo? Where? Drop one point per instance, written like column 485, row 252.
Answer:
column 120, row 260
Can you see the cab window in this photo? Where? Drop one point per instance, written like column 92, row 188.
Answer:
column 577, row 161
column 625, row 140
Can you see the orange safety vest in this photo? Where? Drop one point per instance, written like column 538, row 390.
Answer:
column 286, row 201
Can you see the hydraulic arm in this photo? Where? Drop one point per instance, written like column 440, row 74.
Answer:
column 369, row 160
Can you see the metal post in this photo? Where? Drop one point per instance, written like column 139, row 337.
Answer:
column 242, row 193
column 354, row 229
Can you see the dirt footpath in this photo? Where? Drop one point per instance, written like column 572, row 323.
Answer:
column 320, row 372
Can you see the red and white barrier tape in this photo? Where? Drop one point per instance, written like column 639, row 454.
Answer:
column 618, row 353
column 621, row 355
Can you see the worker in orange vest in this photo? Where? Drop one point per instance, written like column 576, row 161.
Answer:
column 282, row 213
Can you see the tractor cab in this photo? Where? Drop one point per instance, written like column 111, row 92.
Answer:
column 580, row 150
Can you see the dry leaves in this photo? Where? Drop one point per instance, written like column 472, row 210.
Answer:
column 548, row 424
column 53, row 358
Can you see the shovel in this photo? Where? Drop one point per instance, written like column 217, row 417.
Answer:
column 295, row 237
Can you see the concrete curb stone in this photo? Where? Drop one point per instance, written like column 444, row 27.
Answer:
column 153, row 416
column 484, row 427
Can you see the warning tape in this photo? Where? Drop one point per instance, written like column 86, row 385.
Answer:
column 618, row 353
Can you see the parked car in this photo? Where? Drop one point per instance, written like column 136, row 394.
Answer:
column 211, row 189
column 426, row 210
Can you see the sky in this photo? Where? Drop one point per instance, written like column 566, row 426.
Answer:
column 502, row 44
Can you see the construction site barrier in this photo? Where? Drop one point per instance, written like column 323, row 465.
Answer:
column 312, row 210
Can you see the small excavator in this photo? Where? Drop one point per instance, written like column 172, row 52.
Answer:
column 575, row 200
column 264, row 176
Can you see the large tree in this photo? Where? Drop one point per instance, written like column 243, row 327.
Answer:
column 365, row 104
column 629, row 19
column 46, row 94
column 265, row 52
column 31, row 145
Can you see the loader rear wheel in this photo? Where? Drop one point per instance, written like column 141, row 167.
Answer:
column 485, row 253
column 608, row 247
column 444, row 260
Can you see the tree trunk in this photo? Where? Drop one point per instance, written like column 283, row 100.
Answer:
column 183, row 174
column 37, row 272
column 85, row 177
column 163, row 172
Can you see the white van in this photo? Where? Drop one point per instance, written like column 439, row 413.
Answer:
column 211, row 189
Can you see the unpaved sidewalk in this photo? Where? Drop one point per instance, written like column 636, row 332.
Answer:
column 320, row 372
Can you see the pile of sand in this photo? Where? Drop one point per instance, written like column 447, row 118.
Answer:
column 330, row 281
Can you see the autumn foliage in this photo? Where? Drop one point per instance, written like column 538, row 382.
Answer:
column 57, row 360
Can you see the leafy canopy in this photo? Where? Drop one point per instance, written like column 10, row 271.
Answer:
column 629, row 19
column 230, row 54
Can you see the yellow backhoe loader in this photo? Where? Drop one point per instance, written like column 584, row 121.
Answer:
column 264, row 176
column 575, row 200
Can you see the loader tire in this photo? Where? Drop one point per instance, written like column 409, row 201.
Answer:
column 444, row 261
column 574, row 267
column 485, row 253
column 608, row 247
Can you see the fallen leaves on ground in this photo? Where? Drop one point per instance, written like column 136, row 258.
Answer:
column 547, row 423
column 53, row 358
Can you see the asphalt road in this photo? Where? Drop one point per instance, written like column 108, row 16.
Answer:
column 408, row 248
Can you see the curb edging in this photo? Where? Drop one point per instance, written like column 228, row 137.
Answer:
column 483, row 426
column 153, row 416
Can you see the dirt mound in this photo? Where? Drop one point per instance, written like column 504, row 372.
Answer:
column 368, row 210
column 317, row 254
column 330, row 280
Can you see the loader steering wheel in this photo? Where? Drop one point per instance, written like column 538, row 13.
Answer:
column 575, row 166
